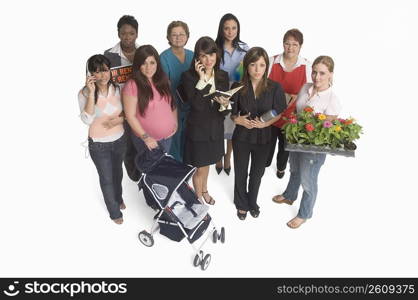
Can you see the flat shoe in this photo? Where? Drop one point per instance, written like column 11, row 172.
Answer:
column 281, row 201
column 255, row 213
column 227, row 171
column 118, row 221
column 218, row 169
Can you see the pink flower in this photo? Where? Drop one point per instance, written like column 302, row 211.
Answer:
column 327, row 124
column 309, row 127
column 293, row 121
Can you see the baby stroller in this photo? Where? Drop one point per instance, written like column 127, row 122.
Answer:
column 180, row 213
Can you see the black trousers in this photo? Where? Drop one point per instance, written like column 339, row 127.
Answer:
column 282, row 155
column 129, row 160
column 246, row 198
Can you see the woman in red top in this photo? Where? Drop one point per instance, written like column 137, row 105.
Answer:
column 291, row 71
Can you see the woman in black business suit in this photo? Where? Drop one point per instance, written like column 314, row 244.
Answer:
column 205, row 124
column 251, row 137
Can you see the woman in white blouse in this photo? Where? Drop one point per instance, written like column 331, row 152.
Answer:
column 304, row 167
column 101, row 109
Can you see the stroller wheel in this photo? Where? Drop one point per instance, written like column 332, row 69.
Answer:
column 222, row 235
column 215, row 236
column 196, row 261
column 205, row 262
column 146, row 238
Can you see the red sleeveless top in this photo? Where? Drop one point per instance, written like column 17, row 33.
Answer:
column 291, row 83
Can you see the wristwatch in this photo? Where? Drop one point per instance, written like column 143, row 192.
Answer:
column 145, row 136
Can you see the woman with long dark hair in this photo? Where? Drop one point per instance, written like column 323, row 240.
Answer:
column 232, row 53
column 252, row 135
column 101, row 108
column 205, row 123
column 149, row 106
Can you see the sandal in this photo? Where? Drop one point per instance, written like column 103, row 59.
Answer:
column 118, row 220
column 280, row 199
column 211, row 200
column 241, row 215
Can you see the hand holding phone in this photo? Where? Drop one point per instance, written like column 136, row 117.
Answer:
column 90, row 82
column 200, row 69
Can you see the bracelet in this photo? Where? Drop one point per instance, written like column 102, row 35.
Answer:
column 145, row 136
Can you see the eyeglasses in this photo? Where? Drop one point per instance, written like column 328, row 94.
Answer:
column 291, row 45
column 175, row 36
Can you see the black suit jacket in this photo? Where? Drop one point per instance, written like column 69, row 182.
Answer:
column 115, row 59
column 205, row 122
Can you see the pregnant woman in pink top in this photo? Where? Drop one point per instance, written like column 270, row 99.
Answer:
column 101, row 108
column 149, row 106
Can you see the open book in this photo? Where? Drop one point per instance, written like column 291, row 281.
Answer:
column 229, row 93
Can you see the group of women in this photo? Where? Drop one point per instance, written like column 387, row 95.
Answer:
column 171, row 101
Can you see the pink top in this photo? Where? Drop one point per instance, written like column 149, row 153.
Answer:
column 158, row 121
column 107, row 107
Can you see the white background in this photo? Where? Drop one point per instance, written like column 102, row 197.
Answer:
column 53, row 219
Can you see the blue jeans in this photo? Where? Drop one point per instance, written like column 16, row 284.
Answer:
column 304, row 170
column 108, row 158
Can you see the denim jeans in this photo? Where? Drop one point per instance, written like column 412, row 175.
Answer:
column 304, row 170
column 108, row 158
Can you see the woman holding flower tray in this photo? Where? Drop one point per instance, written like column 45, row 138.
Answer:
column 304, row 167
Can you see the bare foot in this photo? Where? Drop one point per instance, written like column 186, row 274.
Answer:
column 280, row 199
column 118, row 221
column 296, row 222
column 122, row 206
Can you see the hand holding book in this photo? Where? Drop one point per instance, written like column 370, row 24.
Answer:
column 223, row 101
column 228, row 94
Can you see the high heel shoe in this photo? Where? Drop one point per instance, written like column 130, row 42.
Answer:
column 227, row 170
column 218, row 169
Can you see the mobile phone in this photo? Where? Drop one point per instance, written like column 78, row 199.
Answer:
column 198, row 61
column 87, row 71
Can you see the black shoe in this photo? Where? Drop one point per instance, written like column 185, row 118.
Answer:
column 227, row 171
column 255, row 213
column 241, row 216
column 280, row 174
column 218, row 169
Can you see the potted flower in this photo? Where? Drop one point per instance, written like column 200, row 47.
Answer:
column 310, row 132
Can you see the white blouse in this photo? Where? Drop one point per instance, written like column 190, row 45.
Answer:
column 325, row 102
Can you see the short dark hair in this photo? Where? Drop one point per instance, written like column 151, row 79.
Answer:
column 178, row 24
column 129, row 20
column 294, row 33
column 208, row 46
